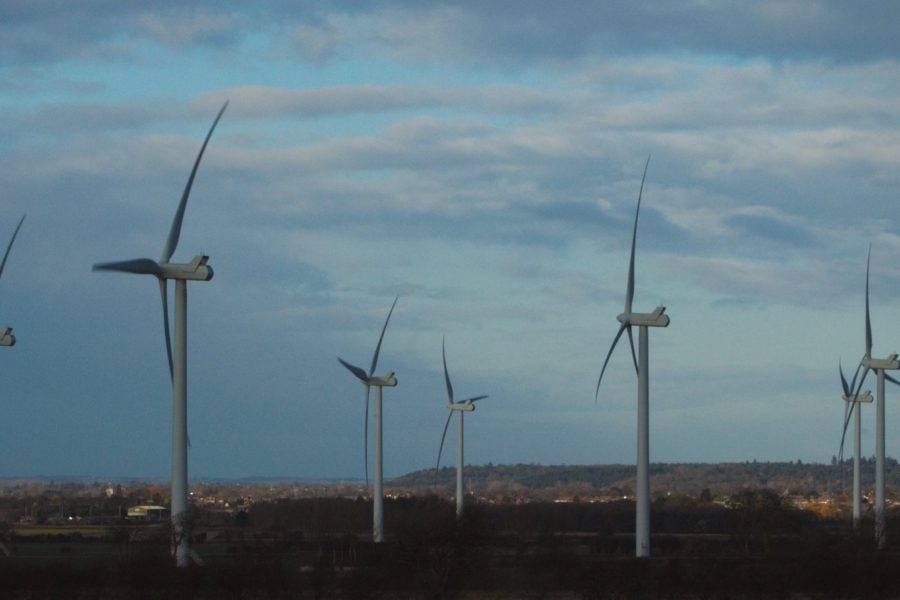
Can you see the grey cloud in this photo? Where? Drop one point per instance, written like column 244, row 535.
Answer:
column 757, row 95
column 44, row 31
column 428, row 171
column 766, row 228
column 262, row 101
column 571, row 210
column 425, row 170
column 29, row 81
column 180, row 28
column 530, row 182
column 61, row 119
column 747, row 282
column 491, row 34
column 317, row 43
column 524, row 32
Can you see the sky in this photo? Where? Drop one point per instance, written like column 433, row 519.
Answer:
column 481, row 160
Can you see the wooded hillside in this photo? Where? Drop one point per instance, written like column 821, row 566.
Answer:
column 676, row 478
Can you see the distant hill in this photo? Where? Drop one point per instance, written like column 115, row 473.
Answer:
column 674, row 478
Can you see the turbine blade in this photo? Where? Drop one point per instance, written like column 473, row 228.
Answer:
column 846, row 410
column 856, row 374
column 175, row 231
column 446, row 375
column 868, row 321
column 844, row 383
column 606, row 362
column 383, row 329
column 476, row 398
column 848, row 406
column 9, row 247
column 138, row 266
column 164, row 295
column 360, row 374
column 862, row 381
column 849, row 413
column 441, row 449
column 366, row 439
column 891, row 379
column 631, row 344
column 629, row 290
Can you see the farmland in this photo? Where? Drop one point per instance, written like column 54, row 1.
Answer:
column 759, row 545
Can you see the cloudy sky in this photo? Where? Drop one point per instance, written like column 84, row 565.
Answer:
column 480, row 159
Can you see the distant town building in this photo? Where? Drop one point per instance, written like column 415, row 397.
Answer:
column 147, row 512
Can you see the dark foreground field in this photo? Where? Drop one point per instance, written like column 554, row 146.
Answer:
column 317, row 548
column 394, row 573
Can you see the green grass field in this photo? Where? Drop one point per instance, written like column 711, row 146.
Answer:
column 87, row 531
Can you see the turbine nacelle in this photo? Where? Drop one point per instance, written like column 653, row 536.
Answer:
column 7, row 338
column 655, row 319
column 863, row 397
column 196, row 270
column 384, row 381
column 467, row 406
column 882, row 364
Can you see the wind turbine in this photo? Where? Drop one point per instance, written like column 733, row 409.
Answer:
column 6, row 337
column 369, row 381
column 459, row 407
column 642, row 368
column 853, row 399
column 163, row 270
column 879, row 366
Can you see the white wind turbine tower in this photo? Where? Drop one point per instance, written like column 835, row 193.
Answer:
column 879, row 366
column 6, row 336
column 163, row 270
column 854, row 399
column 369, row 381
column 642, row 367
column 460, row 407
